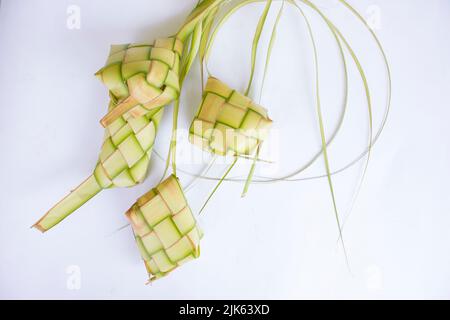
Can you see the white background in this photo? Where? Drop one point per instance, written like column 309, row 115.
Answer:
column 278, row 242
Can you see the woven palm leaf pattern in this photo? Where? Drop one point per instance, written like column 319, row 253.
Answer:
column 165, row 229
column 142, row 77
column 227, row 122
column 125, row 155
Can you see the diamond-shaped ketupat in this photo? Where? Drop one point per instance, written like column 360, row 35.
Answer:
column 165, row 229
column 142, row 77
column 228, row 122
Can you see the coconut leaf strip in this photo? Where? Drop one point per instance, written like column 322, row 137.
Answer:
column 255, row 44
column 218, row 184
column 273, row 37
column 207, row 27
column 368, row 98
column 194, row 49
column 251, row 173
column 203, row 9
column 266, row 67
column 220, row 24
column 322, row 133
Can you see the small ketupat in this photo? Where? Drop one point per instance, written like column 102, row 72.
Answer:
column 227, row 122
column 165, row 229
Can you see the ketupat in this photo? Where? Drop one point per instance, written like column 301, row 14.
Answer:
column 141, row 79
column 165, row 229
column 227, row 122
column 125, row 155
